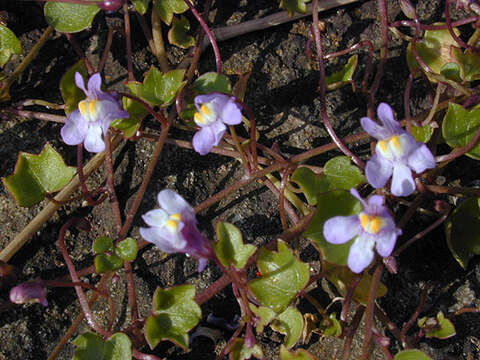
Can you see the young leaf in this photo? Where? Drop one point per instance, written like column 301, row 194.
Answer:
column 442, row 330
column 136, row 111
column 127, row 249
column 264, row 316
column 300, row 354
column 332, row 204
column 166, row 9
column 240, row 352
column 212, row 82
column 293, row 6
column 341, row 174
column 344, row 76
column 470, row 65
column 141, row 6
column 9, row 45
column 178, row 34
column 331, row 326
column 289, row 323
column 451, row 71
column 230, row 248
column 157, row 88
column 36, row 175
column 462, row 230
column 175, row 313
column 310, row 183
column 460, row 126
column 69, row 18
column 102, row 245
column 283, row 276
column 90, row 346
column 106, row 263
column 422, row 133
column 411, row 355
column 71, row 93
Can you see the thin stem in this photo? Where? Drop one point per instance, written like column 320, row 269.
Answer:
column 158, row 42
column 78, row 49
column 454, row 190
column 380, row 314
column 157, row 115
column 239, row 147
column 81, row 176
column 128, row 40
column 418, row 310
column 369, row 312
column 448, row 22
column 38, row 115
column 132, row 297
column 348, row 297
column 433, row 109
column 460, row 151
column 104, row 58
column 350, row 332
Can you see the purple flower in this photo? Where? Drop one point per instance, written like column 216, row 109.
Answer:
column 372, row 227
column 174, row 228
column 92, row 119
column 31, row 291
column 397, row 153
column 213, row 112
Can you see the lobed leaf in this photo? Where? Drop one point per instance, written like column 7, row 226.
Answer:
column 127, row 249
column 212, row 82
column 102, row 245
column 344, row 76
column 411, row 355
column 293, row 6
column 422, row 133
column 240, row 352
column 166, row 9
column 289, row 323
column 90, row 346
column 178, row 34
column 68, row 17
column 106, row 263
column 9, row 45
column 230, row 248
column 264, row 315
column 300, row 354
column 141, row 6
column 444, row 329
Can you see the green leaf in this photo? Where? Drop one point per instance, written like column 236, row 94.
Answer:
column 69, row 18
column 90, row 346
column 331, row 326
column 283, row 276
column 264, row 316
column 106, row 263
column 344, row 76
column 141, row 6
column 127, row 249
column 341, row 174
column 230, row 248
column 166, row 9
column 442, row 330
column 36, row 175
column 240, row 352
column 9, row 45
column 300, row 354
column 422, row 133
column 136, row 111
column 175, row 313
column 451, row 71
column 157, row 88
column 178, row 34
column 460, row 126
column 293, row 6
column 470, row 65
column 411, row 355
column 102, row 244
column 335, row 203
column 310, row 183
column 462, row 230
column 342, row 277
column 289, row 323
column 212, row 82
column 71, row 93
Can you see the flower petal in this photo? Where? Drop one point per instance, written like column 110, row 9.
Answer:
column 80, row 83
column 385, row 114
column 93, row 140
column 421, row 159
column 207, row 137
column 402, row 180
column 376, row 200
column 378, row 171
column 94, row 86
column 375, row 130
column 162, row 239
column 386, row 240
column 156, row 217
column 173, row 203
column 340, row 229
column 361, row 253
column 107, row 112
column 217, row 99
column 355, row 193
column 75, row 129
column 231, row 113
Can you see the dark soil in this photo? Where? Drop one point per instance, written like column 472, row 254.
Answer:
column 282, row 91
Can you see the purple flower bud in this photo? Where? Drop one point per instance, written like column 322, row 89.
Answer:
column 372, row 227
column 29, row 292
column 110, row 5
column 397, row 153
column 91, row 120
column 173, row 229
column 214, row 111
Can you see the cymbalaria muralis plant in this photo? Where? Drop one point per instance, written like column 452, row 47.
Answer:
column 356, row 209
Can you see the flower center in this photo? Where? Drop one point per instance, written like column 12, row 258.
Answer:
column 206, row 115
column 172, row 222
column 371, row 223
column 393, row 147
column 89, row 108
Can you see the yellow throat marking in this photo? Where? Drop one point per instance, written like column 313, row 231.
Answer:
column 202, row 116
column 88, row 108
column 173, row 221
column 371, row 223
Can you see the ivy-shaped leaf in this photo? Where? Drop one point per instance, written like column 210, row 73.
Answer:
column 264, row 316
column 462, row 230
column 460, row 126
column 230, row 248
column 212, row 82
column 37, row 175
column 422, row 133
column 127, row 249
column 470, row 64
column 300, row 354
column 136, row 111
column 240, row 352
column 9, row 45
column 293, row 6
column 69, row 18
column 166, row 9
column 451, row 71
column 411, row 355
column 310, row 183
column 330, row 326
column 178, row 33
column 283, row 276
column 341, row 174
column 102, row 245
column 111, row 258
column 442, row 327
column 289, row 323
column 175, row 313
column 71, row 93
column 344, row 76
column 106, row 263
column 332, row 204
column 90, row 346
column 158, row 88
column 141, row 6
